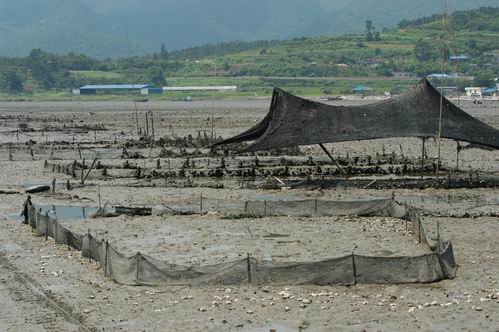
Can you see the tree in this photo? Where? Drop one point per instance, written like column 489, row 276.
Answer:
column 370, row 31
column 163, row 53
column 42, row 68
column 10, row 81
column 423, row 51
column 156, row 75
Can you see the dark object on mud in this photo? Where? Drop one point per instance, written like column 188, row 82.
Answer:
column 133, row 211
column 37, row 189
column 4, row 191
column 407, row 183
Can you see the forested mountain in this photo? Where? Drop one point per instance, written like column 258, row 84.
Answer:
column 99, row 27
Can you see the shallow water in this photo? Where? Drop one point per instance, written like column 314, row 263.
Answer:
column 70, row 213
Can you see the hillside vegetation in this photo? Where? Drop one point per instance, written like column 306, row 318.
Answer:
column 99, row 28
column 314, row 65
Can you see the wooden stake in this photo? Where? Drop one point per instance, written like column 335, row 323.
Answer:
column 89, row 170
column 152, row 125
column 89, row 246
column 248, row 262
column 331, row 157
column 354, row 268
column 137, row 274
column 423, row 158
column 105, row 258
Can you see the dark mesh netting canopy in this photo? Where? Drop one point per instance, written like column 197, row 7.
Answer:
column 293, row 121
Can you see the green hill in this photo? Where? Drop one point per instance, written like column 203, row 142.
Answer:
column 307, row 65
column 98, row 27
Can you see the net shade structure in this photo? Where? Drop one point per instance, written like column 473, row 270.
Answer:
column 140, row 269
column 294, row 121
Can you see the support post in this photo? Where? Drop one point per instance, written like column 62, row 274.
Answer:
column 354, row 269
column 419, row 229
column 331, row 157
column 248, row 262
column 89, row 170
column 423, row 158
column 89, row 246
column 438, row 236
column 458, row 150
column 46, row 226
column 201, row 203
column 147, row 125
column 105, row 258
column 152, row 125
column 137, row 274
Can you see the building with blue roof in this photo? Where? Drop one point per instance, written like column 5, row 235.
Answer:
column 112, row 88
column 362, row 89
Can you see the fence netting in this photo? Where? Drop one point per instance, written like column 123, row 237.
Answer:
column 141, row 269
column 296, row 208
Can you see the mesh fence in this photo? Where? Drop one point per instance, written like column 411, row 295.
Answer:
column 352, row 269
column 295, row 208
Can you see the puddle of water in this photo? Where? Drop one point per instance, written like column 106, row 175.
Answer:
column 16, row 216
column 70, row 213
column 275, row 327
column 28, row 184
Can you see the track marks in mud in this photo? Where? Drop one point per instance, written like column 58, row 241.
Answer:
column 37, row 306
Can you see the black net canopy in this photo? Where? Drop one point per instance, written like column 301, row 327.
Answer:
column 293, row 121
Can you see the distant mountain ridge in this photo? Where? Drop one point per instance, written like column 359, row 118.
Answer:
column 98, row 27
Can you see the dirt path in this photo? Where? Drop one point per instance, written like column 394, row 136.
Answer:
column 27, row 306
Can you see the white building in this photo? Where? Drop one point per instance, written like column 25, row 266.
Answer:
column 199, row 88
column 473, row 91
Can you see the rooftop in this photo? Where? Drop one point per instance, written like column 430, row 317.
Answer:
column 116, row 87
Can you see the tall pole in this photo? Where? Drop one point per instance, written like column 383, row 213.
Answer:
column 442, row 59
column 134, row 100
column 213, row 94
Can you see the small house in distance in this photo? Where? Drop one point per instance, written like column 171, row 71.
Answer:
column 473, row 91
column 362, row 89
column 111, row 89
